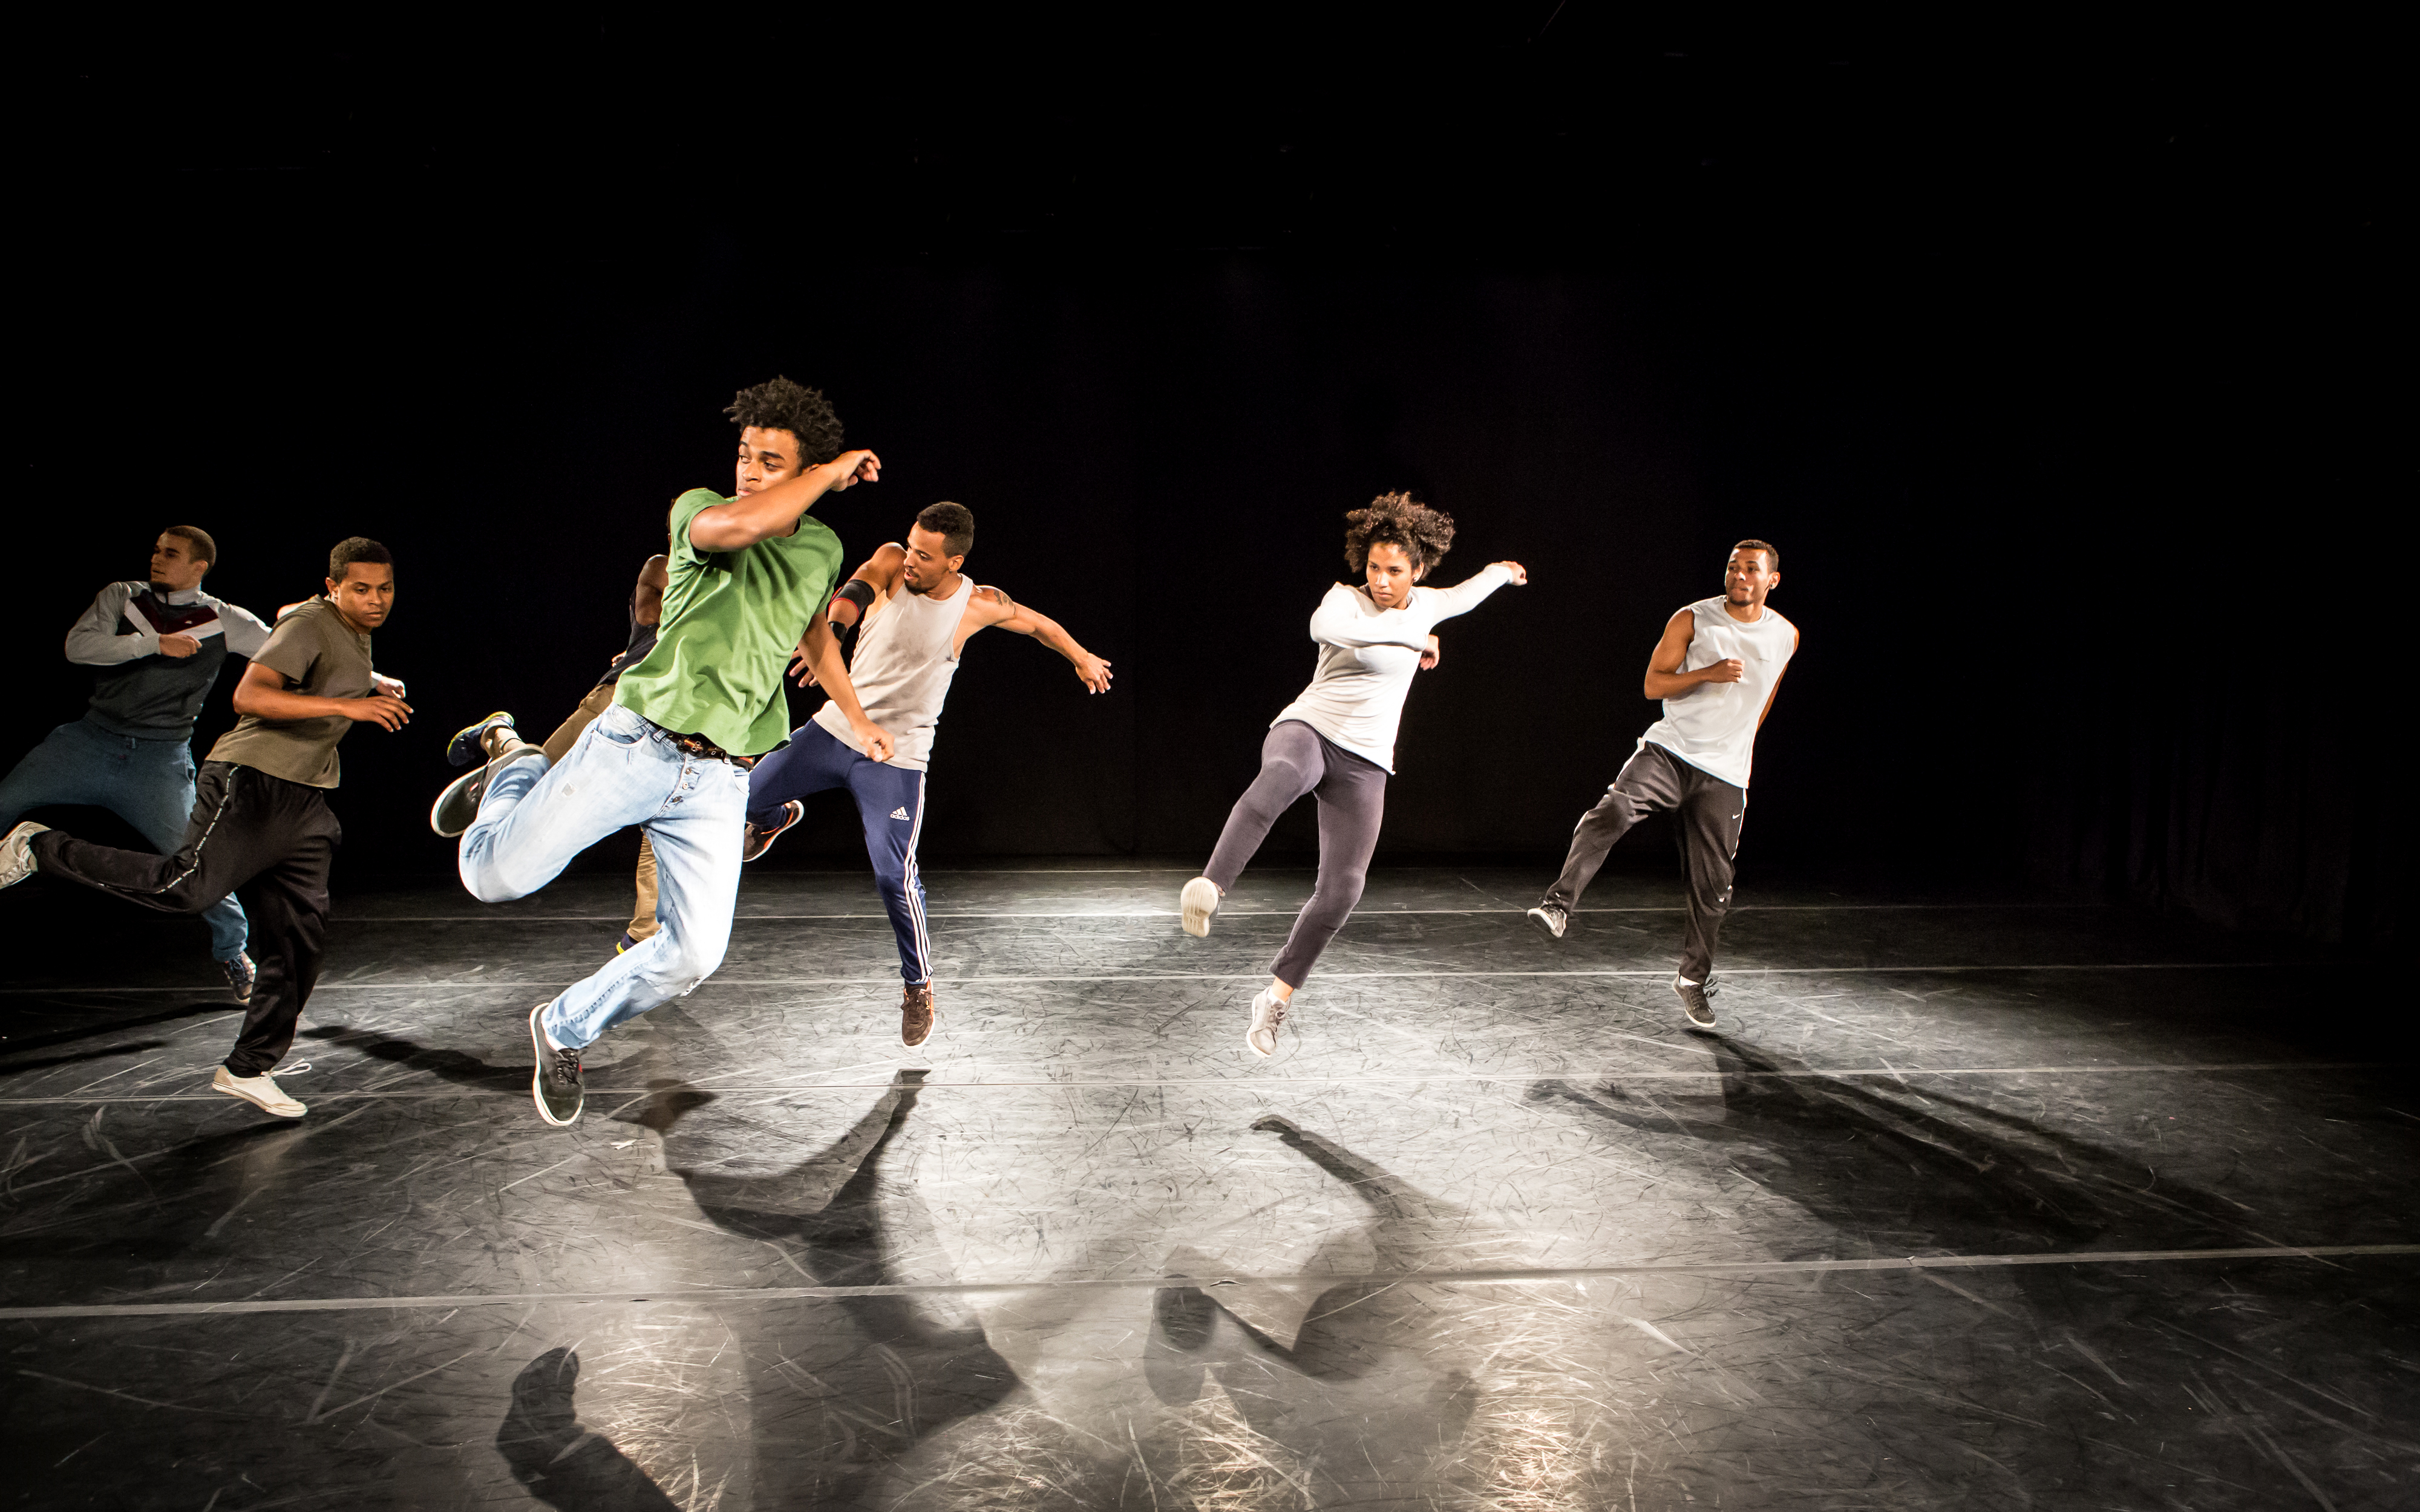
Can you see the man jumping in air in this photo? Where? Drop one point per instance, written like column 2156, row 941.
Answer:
column 748, row 580
column 916, row 611
column 1717, row 669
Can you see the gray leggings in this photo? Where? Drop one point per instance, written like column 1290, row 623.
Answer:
column 1295, row 760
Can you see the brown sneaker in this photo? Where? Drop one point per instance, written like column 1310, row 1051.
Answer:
column 915, row 1014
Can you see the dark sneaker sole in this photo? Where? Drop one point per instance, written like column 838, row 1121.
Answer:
column 458, row 805
column 538, row 1077
column 464, row 747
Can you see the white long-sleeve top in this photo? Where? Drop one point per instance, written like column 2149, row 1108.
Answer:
column 1367, row 656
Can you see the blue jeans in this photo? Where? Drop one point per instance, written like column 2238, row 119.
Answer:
column 622, row 771
column 149, row 784
column 891, row 806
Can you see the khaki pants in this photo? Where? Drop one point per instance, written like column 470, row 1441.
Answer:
column 558, row 744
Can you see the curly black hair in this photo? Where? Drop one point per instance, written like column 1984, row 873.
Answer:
column 1424, row 535
column 804, row 412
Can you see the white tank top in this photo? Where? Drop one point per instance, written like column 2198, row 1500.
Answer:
column 902, row 672
column 1713, row 726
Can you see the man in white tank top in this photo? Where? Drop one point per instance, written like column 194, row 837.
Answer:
column 1717, row 669
column 914, row 610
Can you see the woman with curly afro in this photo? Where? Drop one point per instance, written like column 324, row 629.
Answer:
column 1338, row 739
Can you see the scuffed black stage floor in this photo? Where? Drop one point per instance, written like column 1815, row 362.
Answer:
column 1491, row 1231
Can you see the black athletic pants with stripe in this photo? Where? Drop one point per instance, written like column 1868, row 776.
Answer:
column 268, row 841
column 1708, row 812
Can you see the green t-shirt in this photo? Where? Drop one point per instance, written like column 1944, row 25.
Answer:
column 731, row 620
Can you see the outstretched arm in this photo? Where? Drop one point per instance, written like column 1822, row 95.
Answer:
column 775, row 510
column 992, row 606
column 822, row 650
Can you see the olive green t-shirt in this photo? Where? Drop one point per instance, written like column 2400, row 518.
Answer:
column 731, row 620
column 320, row 657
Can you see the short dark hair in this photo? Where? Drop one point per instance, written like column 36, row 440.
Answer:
column 955, row 523
column 204, row 548
column 355, row 548
column 1772, row 557
column 804, row 412
column 1396, row 519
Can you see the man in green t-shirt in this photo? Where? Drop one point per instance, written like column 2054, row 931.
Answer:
column 748, row 580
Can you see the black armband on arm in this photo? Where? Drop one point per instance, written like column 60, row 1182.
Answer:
column 858, row 591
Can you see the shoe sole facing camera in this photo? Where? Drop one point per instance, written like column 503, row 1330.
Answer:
column 1547, row 923
column 538, row 1077
column 17, row 852
column 1199, row 903
column 458, row 805
column 758, row 842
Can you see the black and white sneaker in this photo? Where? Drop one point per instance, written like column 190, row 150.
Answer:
column 241, row 975
column 17, row 852
column 470, row 743
column 555, row 1087
column 760, row 839
column 458, row 805
column 1696, row 1000
column 1552, row 919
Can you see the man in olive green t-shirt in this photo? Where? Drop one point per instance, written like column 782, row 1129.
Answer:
column 260, row 818
column 749, row 578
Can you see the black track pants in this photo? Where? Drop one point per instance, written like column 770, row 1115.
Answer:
column 261, row 837
column 1709, row 811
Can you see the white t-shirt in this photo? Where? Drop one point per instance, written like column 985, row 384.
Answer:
column 1713, row 726
column 1367, row 656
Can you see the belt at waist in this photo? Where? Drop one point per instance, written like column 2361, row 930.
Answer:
column 700, row 745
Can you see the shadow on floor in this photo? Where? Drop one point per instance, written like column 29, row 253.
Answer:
column 562, row 1465
column 455, row 1066
column 840, row 1389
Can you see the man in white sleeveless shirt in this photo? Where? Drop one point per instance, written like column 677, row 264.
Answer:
column 914, row 610
column 1717, row 669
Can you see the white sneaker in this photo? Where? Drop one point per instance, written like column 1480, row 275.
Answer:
column 17, row 853
column 259, row 1091
column 1200, row 900
column 1268, row 1017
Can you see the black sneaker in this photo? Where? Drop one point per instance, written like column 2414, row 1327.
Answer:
column 458, row 805
column 470, row 743
column 1552, row 919
column 555, row 1086
column 760, row 839
column 1696, row 1000
column 241, row 975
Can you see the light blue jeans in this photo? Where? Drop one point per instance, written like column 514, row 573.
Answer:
column 149, row 784
column 622, row 771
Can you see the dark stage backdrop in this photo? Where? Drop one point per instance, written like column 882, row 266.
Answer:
column 2053, row 379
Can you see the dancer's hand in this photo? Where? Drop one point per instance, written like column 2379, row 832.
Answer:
column 854, row 468
column 179, row 646
column 390, row 687
column 1723, row 671
column 1520, row 573
column 384, row 710
column 873, row 741
column 1428, row 654
column 1091, row 670
column 802, row 667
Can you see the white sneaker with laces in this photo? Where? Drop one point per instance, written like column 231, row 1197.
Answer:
column 1198, row 900
column 17, row 852
column 1268, row 1017
column 259, row 1091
